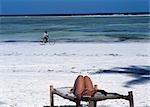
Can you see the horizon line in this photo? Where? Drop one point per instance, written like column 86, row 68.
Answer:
column 77, row 14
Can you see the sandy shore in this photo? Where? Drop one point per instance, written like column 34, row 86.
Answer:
column 27, row 70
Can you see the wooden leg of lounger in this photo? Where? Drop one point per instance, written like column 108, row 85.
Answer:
column 95, row 103
column 51, row 96
column 131, row 102
column 92, row 104
column 78, row 103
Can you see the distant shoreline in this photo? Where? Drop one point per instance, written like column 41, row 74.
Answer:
column 78, row 14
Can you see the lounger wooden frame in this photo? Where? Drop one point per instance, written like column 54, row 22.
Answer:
column 93, row 99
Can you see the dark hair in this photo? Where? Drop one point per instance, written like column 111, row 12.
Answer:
column 45, row 31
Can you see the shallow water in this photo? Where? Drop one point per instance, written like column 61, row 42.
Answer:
column 75, row 29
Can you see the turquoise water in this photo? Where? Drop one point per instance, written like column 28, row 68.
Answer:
column 76, row 29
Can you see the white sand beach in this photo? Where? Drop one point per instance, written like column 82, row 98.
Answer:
column 27, row 70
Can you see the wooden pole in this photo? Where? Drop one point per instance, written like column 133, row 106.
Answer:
column 78, row 102
column 51, row 96
column 131, row 102
column 96, row 88
column 93, row 103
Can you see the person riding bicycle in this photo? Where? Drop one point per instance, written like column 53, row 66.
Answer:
column 45, row 37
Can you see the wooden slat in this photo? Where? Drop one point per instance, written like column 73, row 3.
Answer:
column 95, row 98
column 65, row 96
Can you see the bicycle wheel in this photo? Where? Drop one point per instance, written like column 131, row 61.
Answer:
column 52, row 42
column 41, row 42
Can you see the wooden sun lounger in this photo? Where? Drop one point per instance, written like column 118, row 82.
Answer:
column 64, row 92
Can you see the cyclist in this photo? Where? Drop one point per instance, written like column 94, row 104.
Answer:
column 45, row 37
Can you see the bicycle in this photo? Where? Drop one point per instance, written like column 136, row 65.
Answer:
column 43, row 41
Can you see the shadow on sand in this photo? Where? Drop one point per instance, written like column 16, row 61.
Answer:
column 140, row 74
column 1, row 103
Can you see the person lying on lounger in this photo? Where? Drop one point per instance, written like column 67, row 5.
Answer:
column 83, row 86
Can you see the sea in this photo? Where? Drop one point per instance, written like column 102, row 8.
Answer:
column 110, row 28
